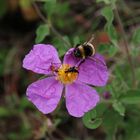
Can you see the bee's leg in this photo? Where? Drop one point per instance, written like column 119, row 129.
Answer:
column 80, row 62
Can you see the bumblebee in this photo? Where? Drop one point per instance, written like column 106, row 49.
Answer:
column 85, row 50
column 72, row 69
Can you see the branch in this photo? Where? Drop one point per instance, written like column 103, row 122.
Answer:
column 48, row 21
column 125, row 44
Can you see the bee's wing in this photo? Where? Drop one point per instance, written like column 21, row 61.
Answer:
column 94, row 71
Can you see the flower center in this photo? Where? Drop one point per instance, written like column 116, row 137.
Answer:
column 67, row 74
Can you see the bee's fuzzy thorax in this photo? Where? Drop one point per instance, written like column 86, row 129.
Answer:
column 82, row 51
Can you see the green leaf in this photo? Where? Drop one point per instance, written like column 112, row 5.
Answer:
column 111, row 121
column 4, row 112
column 136, row 37
column 12, row 136
column 105, row 1
column 24, row 103
column 50, row 7
column 41, row 32
column 61, row 47
column 108, row 49
column 118, row 106
column 91, row 121
column 107, row 12
column 100, row 109
column 76, row 40
column 62, row 7
column 3, row 7
column 25, row 3
column 112, row 33
column 131, row 97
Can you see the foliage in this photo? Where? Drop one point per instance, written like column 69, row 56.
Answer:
column 41, row 32
column 69, row 23
column 3, row 8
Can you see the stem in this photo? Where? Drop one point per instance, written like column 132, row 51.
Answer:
column 58, row 34
column 42, row 17
column 48, row 21
column 125, row 45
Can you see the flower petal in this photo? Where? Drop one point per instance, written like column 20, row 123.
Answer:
column 92, row 71
column 40, row 58
column 45, row 94
column 69, row 58
column 80, row 98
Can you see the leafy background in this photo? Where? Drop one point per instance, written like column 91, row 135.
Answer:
column 116, row 27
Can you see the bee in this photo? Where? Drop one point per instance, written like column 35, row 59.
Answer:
column 72, row 70
column 86, row 50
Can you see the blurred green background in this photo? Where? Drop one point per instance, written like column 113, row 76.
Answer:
column 116, row 27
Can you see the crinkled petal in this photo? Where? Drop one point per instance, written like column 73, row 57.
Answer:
column 40, row 58
column 45, row 94
column 80, row 98
column 69, row 58
column 92, row 71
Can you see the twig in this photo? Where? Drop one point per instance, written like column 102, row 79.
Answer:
column 58, row 34
column 48, row 21
column 42, row 17
column 125, row 44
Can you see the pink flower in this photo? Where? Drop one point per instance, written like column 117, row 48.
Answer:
column 45, row 94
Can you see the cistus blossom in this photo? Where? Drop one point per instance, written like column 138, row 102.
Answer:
column 45, row 94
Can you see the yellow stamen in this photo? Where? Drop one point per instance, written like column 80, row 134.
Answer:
column 66, row 77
